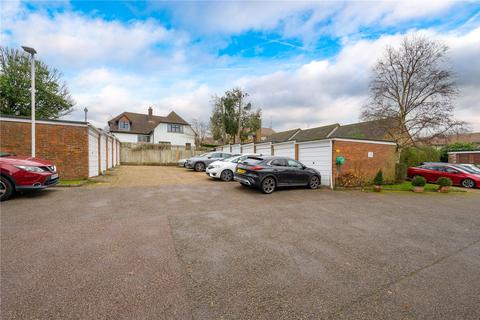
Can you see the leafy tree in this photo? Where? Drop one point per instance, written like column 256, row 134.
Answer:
column 414, row 156
column 457, row 146
column 412, row 85
column 53, row 99
column 233, row 119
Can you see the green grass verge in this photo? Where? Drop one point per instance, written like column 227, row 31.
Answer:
column 407, row 186
column 72, row 182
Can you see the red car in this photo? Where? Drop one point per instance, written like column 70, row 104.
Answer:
column 459, row 176
column 24, row 173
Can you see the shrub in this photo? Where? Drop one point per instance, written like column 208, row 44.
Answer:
column 414, row 156
column 444, row 182
column 400, row 172
column 349, row 179
column 378, row 180
column 418, row 181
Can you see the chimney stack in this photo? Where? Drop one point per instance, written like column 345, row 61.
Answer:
column 150, row 111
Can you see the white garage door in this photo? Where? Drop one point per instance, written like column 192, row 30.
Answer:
column 317, row 155
column 114, row 153
column 236, row 148
column 248, row 148
column 110, row 158
column 103, row 153
column 92, row 153
column 284, row 150
column 226, row 148
column 264, row 149
column 118, row 153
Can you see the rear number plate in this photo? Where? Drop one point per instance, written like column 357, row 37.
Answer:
column 54, row 176
column 240, row 171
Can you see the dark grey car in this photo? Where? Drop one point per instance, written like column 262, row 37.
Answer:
column 199, row 163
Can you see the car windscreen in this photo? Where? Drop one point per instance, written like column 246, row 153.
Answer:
column 251, row 161
column 467, row 169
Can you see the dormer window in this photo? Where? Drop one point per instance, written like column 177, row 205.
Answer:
column 124, row 125
column 177, row 128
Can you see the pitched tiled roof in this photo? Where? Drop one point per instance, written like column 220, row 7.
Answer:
column 317, row 133
column 371, row 130
column 473, row 137
column 265, row 132
column 143, row 123
column 281, row 136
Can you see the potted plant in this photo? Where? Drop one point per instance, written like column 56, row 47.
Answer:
column 444, row 184
column 418, row 183
column 378, row 181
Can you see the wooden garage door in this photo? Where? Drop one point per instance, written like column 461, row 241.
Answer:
column 317, row 155
column 264, row 149
column 284, row 150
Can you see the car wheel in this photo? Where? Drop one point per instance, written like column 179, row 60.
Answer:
column 268, row 185
column 226, row 175
column 6, row 189
column 468, row 183
column 314, row 182
column 199, row 166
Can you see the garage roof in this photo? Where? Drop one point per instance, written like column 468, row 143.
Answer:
column 370, row 130
column 317, row 133
column 282, row 136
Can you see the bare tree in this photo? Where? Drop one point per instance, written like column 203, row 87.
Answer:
column 413, row 86
column 201, row 129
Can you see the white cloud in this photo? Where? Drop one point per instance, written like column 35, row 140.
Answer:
column 323, row 91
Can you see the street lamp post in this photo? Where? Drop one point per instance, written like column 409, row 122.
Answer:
column 86, row 111
column 32, row 54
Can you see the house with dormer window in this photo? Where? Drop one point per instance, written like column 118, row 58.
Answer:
column 137, row 127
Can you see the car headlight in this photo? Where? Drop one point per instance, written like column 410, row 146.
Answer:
column 31, row 168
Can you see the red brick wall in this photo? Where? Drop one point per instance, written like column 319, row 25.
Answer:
column 65, row 145
column 464, row 158
column 358, row 162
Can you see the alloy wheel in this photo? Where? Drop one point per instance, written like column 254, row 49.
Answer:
column 468, row 183
column 314, row 182
column 227, row 175
column 268, row 185
column 3, row 188
column 199, row 167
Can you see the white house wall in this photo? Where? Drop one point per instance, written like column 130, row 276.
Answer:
column 317, row 155
column 126, row 137
column 177, row 139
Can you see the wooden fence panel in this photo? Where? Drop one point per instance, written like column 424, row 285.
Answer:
column 154, row 154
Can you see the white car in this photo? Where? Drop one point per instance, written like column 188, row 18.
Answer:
column 224, row 169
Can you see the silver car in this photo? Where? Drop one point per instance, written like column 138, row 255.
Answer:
column 199, row 163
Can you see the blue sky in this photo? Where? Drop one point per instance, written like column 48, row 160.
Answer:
column 304, row 63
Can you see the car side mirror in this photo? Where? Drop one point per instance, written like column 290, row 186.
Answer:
column 209, row 157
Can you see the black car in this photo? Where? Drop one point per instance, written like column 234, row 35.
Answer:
column 268, row 173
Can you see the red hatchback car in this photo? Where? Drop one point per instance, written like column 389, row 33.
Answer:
column 24, row 173
column 459, row 176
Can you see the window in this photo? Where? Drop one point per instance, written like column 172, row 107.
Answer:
column 294, row 164
column 279, row 163
column 177, row 128
column 143, row 138
column 124, row 125
column 216, row 155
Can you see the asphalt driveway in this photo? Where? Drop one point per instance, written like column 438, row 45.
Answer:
column 206, row 249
